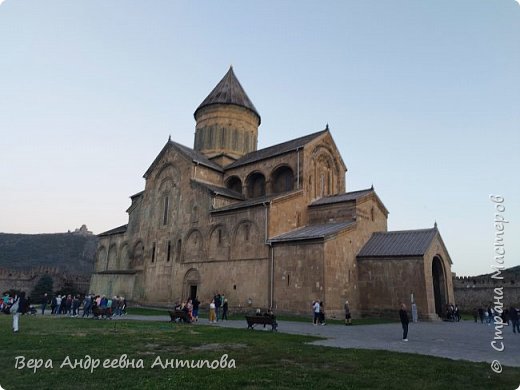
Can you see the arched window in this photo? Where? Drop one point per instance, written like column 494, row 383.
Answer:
column 234, row 183
column 112, row 257
column 178, row 251
column 256, row 185
column 137, row 255
column 166, row 203
column 282, row 180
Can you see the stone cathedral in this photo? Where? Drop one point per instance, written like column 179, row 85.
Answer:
column 272, row 227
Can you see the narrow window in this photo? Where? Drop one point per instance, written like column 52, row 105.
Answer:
column 221, row 134
column 153, row 252
column 165, row 214
column 219, row 236
column 179, row 242
column 372, row 214
column 169, row 250
column 288, row 280
column 247, row 232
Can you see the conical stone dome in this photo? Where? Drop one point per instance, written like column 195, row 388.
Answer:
column 227, row 122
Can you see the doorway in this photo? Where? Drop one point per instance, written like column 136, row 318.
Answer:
column 439, row 287
column 193, row 292
column 191, row 284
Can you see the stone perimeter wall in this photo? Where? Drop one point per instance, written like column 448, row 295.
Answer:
column 26, row 279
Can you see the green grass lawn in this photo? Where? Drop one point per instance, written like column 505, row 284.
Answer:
column 146, row 311
column 263, row 359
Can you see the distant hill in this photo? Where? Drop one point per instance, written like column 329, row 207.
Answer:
column 509, row 275
column 512, row 273
column 70, row 252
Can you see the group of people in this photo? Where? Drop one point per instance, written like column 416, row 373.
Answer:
column 452, row 313
column 219, row 301
column 218, row 309
column 318, row 310
column 190, row 309
column 318, row 313
column 95, row 305
column 92, row 305
column 509, row 316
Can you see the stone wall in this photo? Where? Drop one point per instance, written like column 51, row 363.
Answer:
column 469, row 298
column 111, row 284
column 26, row 279
column 382, row 289
column 298, row 276
column 479, row 291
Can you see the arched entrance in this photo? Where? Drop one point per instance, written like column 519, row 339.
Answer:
column 439, row 286
column 191, row 284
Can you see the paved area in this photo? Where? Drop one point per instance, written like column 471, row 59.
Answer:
column 463, row 340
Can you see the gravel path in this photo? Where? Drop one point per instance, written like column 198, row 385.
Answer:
column 464, row 340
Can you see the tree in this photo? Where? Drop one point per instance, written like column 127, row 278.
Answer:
column 68, row 288
column 44, row 285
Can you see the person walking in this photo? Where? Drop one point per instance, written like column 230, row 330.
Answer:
column 403, row 315
column 196, row 304
column 316, row 309
column 348, row 318
column 225, row 310
column 212, row 316
column 218, row 302
column 45, row 301
column 515, row 320
column 322, row 313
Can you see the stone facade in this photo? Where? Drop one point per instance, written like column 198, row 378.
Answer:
column 267, row 228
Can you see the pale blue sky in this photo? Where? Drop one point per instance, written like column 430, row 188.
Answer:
column 422, row 99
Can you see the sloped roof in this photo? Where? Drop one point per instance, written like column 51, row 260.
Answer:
column 345, row 197
column 399, row 243
column 193, row 155
column 118, row 230
column 229, row 91
column 140, row 193
column 312, row 232
column 221, row 190
column 275, row 150
column 197, row 157
column 246, row 203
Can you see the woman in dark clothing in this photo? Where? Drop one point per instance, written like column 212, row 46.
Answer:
column 403, row 315
column 224, row 310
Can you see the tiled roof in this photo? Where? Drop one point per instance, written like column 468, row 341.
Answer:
column 190, row 153
column 197, row 157
column 222, row 191
column 117, row 230
column 398, row 243
column 275, row 150
column 347, row 196
column 312, row 232
column 229, row 91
